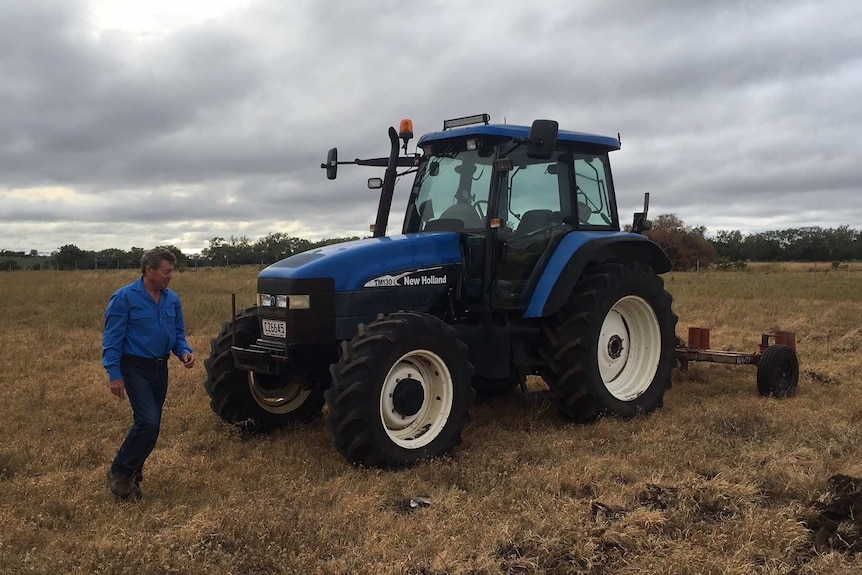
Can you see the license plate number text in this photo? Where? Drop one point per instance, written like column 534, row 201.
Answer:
column 274, row 328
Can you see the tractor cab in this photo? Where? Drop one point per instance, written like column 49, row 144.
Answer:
column 511, row 197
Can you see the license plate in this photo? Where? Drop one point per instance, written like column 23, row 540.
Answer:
column 274, row 327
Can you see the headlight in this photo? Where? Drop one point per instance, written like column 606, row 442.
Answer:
column 283, row 301
column 265, row 300
column 300, row 302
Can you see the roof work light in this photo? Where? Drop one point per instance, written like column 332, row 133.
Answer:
column 466, row 121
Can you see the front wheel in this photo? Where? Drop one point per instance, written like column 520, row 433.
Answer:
column 257, row 401
column 400, row 391
column 611, row 347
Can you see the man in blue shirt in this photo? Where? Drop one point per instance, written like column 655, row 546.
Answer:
column 143, row 325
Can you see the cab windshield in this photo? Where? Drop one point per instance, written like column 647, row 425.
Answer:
column 451, row 191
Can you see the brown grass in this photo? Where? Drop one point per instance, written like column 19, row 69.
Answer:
column 718, row 481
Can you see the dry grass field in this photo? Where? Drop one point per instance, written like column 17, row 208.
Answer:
column 719, row 481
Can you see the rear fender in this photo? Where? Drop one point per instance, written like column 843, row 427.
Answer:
column 575, row 252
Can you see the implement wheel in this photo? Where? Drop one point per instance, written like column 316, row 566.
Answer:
column 778, row 371
column 257, row 401
column 400, row 391
column 611, row 347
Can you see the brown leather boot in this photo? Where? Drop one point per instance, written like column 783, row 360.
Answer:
column 123, row 487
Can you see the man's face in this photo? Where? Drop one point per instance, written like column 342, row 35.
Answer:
column 160, row 277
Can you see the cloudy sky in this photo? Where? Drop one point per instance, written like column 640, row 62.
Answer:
column 127, row 123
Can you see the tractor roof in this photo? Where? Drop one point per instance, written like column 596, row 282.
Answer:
column 509, row 131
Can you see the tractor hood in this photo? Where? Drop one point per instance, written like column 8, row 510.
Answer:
column 351, row 264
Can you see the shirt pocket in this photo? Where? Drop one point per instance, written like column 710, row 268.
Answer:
column 138, row 314
column 169, row 312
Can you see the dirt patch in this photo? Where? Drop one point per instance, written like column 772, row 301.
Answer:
column 836, row 524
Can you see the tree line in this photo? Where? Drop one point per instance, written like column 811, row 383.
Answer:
column 688, row 247
column 233, row 251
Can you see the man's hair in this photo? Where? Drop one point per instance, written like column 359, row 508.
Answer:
column 155, row 257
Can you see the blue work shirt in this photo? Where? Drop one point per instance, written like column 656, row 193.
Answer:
column 136, row 325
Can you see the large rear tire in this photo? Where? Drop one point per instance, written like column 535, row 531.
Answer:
column 611, row 346
column 400, row 391
column 257, row 401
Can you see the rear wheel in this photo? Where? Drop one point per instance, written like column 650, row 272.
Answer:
column 778, row 371
column 257, row 401
column 400, row 391
column 611, row 347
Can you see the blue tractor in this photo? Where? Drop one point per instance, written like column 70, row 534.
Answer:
column 510, row 263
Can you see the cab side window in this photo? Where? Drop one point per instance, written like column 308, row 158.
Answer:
column 538, row 194
column 591, row 184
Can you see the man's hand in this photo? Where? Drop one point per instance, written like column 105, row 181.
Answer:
column 189, row 360
column 118, row 388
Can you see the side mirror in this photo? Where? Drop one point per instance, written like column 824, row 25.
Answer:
column 543, row 139
column 331, row 165
column 640, row 223
column 375, row 183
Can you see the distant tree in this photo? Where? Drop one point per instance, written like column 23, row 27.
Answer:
column 277, row 246
column 218, row 252
column 803, row 244
column 70, row 257
column 685, row 246
column 839, row 243
column 135, row 255
column 113, row 258
column 730, row 245
column 763, row 247
column 9, row 266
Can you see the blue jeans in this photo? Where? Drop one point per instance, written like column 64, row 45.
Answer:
column 146, row 387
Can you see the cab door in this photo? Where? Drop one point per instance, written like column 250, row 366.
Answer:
column 536, row 208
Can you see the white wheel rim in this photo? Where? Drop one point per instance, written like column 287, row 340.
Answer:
column 629, row 348
column 282, row 400
column 416, row 430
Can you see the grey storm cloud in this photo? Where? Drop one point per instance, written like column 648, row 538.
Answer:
column 733, row 115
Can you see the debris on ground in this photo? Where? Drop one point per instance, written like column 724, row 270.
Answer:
column 837, row 523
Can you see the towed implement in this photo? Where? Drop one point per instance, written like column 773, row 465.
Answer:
column 510, row 263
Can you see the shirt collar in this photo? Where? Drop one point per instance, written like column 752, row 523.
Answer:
column 139, row 286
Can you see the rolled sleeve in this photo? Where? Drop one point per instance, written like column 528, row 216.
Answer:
column 116, row 322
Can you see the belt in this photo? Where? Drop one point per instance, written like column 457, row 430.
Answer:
column 153, row 361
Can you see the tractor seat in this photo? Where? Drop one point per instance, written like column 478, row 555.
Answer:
column 465, row 213
column 584, row 212
column 533, row 220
